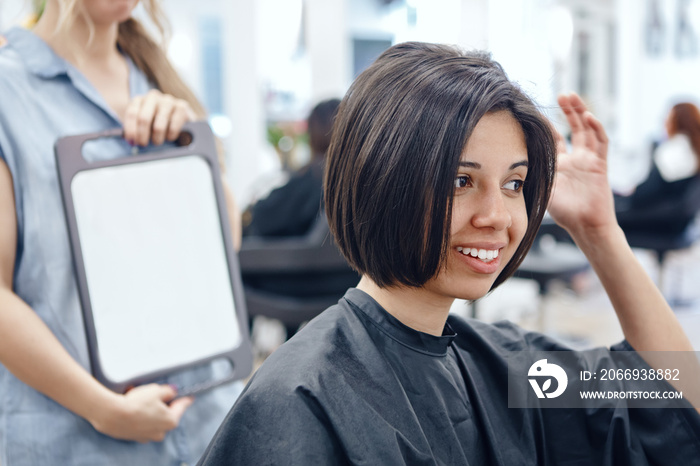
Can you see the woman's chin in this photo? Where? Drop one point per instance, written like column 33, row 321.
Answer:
column 473, row 292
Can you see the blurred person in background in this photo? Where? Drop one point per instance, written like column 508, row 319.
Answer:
column 663, row 202
column 86, row 66
column 292, row 209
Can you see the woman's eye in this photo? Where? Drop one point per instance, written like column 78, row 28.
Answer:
column 462, row 181
column 514, row 185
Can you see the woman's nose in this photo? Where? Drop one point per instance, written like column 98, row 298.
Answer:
column 492, row 211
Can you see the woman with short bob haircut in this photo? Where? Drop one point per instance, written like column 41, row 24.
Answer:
column 389, row 240
column 439, row 172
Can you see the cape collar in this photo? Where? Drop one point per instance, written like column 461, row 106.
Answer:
column 390, row 325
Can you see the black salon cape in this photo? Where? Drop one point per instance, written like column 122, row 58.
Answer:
column 355, row 386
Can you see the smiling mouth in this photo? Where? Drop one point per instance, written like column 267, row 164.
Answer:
column 485, row 255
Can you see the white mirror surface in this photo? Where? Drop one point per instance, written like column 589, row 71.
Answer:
column 155, row 262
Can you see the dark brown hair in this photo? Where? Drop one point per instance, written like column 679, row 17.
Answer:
column 397, row 140
column 685, row 119
column 320, row 126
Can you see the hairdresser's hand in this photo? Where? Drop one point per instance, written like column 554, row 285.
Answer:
column 156, row 118
column 582, row 201
column 142, row 414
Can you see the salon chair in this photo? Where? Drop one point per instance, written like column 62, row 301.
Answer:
column 294, row 279
column 647, row 228
column 665, row 227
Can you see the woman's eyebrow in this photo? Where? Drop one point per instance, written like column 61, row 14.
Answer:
column 464, row 163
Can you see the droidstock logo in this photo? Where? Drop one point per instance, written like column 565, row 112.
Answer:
column 541, row 370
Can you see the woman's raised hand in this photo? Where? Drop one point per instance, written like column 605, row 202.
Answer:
column 156, row 118
column 582, row 201
column 583, row 204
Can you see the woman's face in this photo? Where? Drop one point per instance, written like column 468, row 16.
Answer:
column 489, row 216
column 105, row 12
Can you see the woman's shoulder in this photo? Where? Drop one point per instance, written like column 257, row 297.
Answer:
column 311, row 352
column 282, row 415
column 502, row 335
column 333, row 351
column 10, row 59
column 675, row 158
column 13, row 67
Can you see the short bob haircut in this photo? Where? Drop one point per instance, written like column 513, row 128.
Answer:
column 394, row 154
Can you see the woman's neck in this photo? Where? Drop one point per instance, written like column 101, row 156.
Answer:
column 75, row 43
column 413, row 307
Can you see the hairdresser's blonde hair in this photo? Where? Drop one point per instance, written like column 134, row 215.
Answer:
column 148, row 55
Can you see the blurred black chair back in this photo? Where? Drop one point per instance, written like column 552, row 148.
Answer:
column 667, row 225
column 294, row 279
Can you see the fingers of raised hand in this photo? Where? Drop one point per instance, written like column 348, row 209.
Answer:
column 561, row 143
column 573, row 110
column 558, row 139
column 588, row 136
column 586, row 130
column 598, row 132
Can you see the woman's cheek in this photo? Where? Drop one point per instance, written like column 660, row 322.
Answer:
column 519, row 222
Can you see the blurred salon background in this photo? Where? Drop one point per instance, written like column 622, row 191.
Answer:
column 260, row 66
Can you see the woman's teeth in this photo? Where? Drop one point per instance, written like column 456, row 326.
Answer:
column 486, row 255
